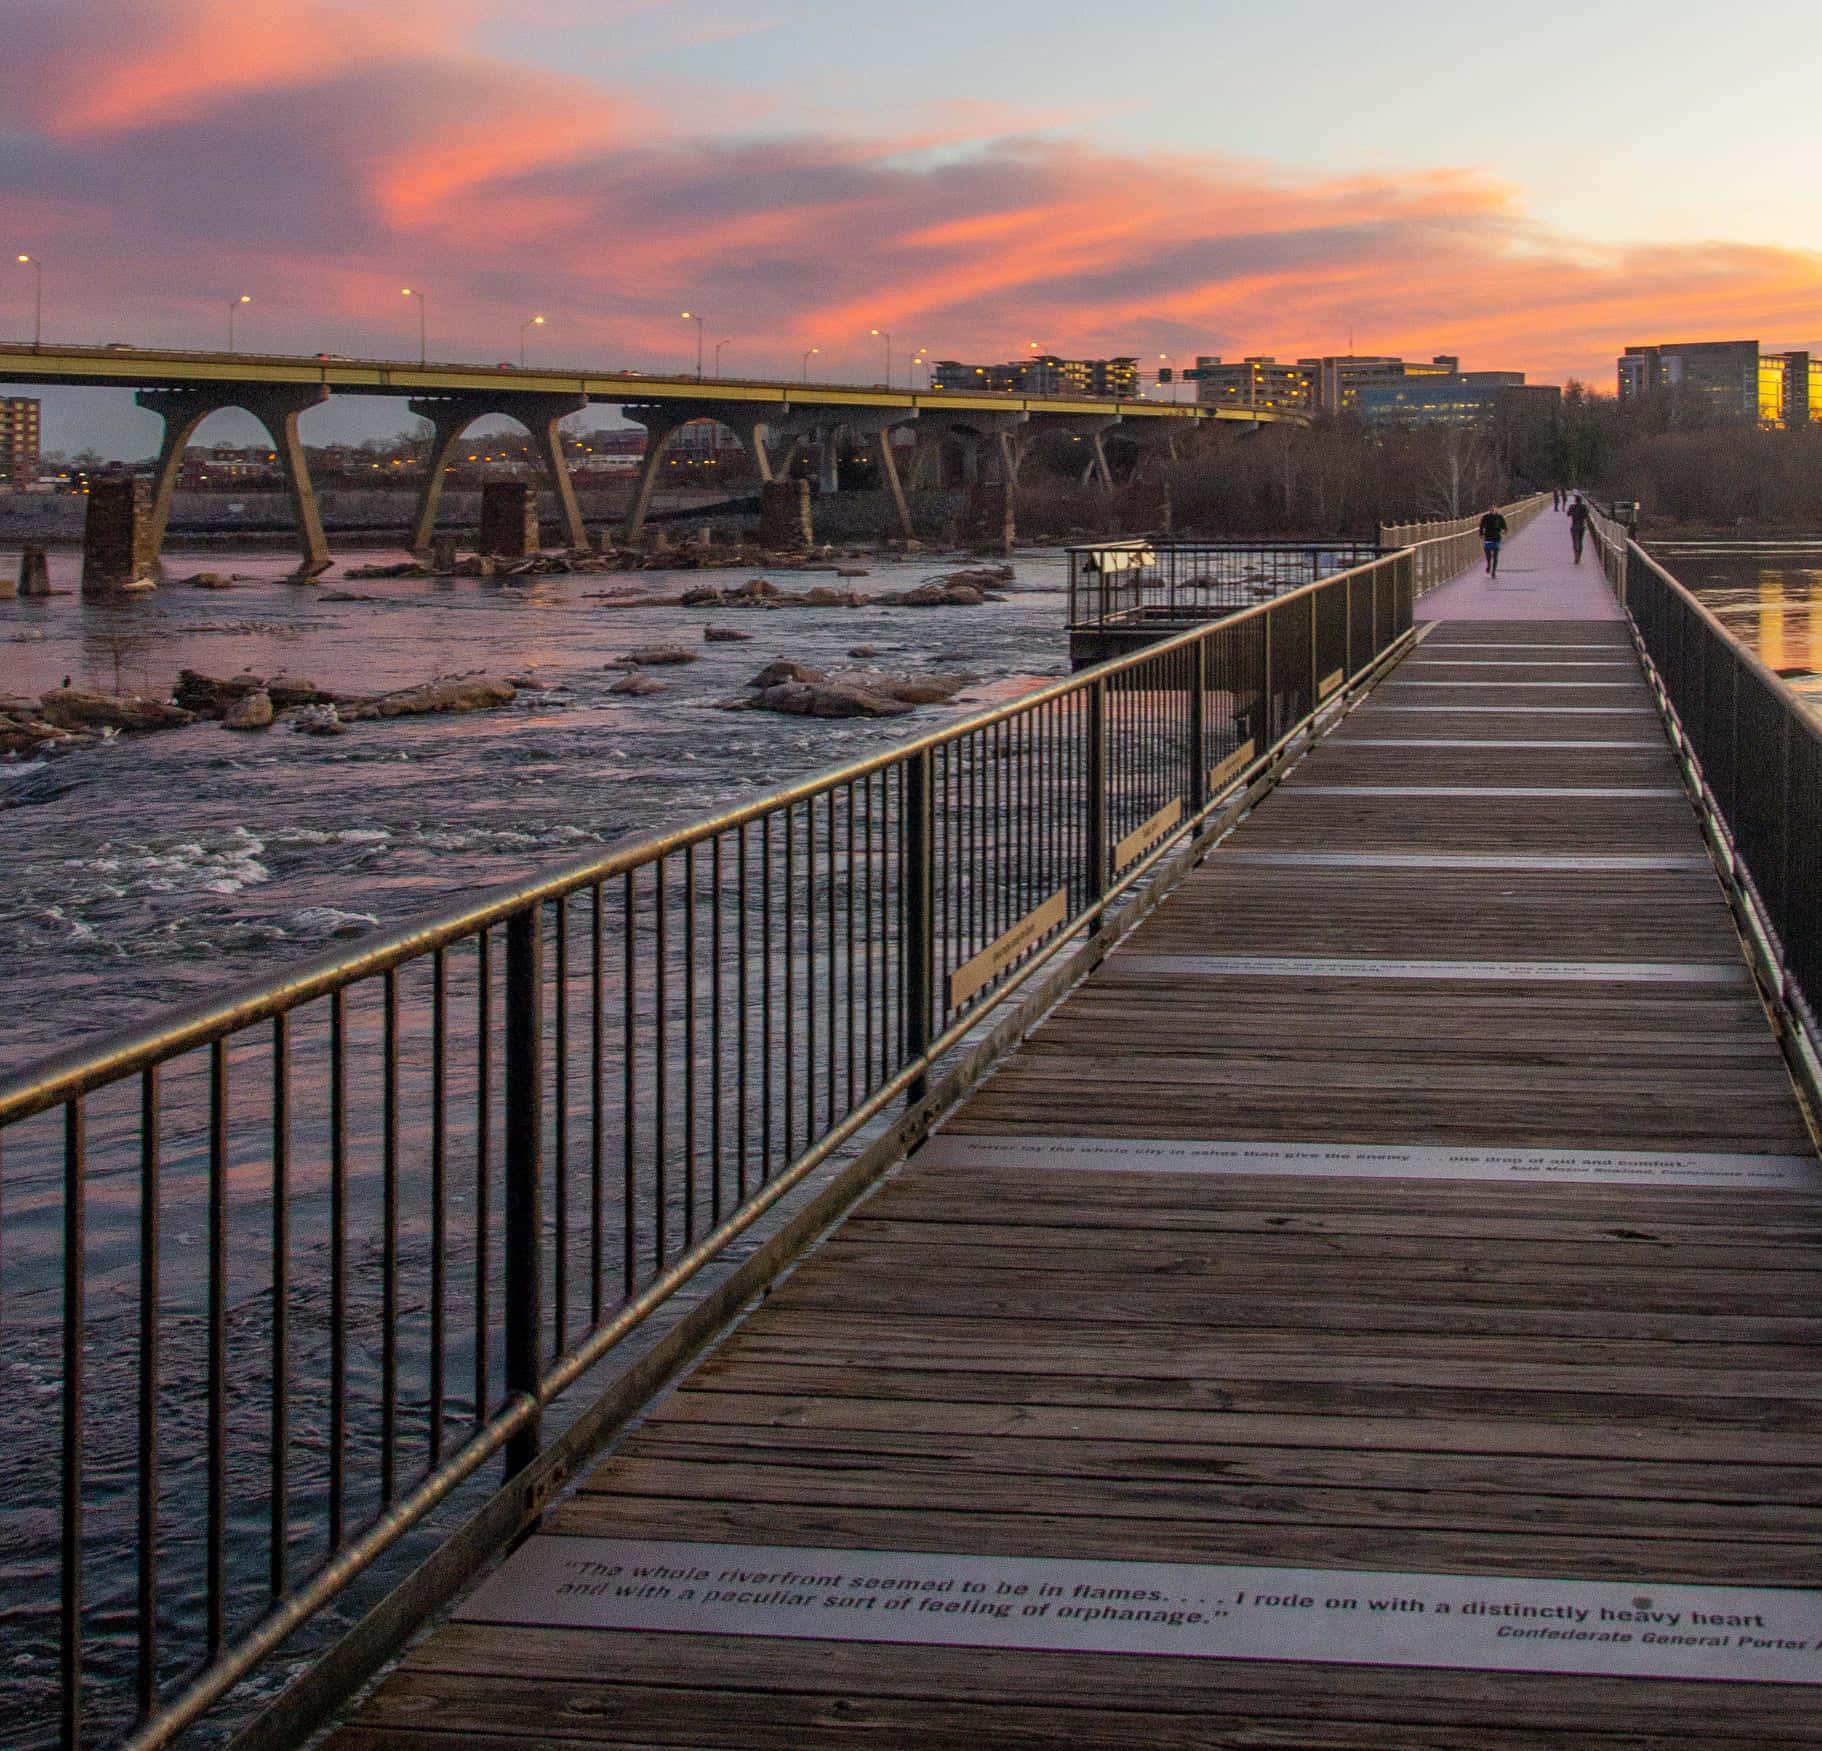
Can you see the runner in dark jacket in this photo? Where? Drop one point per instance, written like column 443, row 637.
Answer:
column 1492, row 533
column 1578, row 526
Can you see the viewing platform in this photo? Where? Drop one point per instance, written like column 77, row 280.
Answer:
column 1376, row 1308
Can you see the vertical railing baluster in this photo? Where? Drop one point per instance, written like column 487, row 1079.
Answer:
column 689, row 1045
column 660, row 1064
column 559, row 1265
column 338, row 1264
column 523, row 1312
column 75, row 1326
column 916, row 874
column 389, row 1234
column 483, row 1173
column 278, row 1534
column 216, row 1390
column 150, row 1290
column 597, row 1083
column 1094, row 824
column 437, row 1385
column 629, row 1085
column 716, row 1092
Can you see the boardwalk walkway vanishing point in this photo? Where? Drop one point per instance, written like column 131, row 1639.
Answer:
column 1374, row 1311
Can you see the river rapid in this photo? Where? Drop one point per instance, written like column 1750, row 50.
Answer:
column 147, row 871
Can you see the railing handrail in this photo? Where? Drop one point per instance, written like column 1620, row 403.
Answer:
column 67, row 1075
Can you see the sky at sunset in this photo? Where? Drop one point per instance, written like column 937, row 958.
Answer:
column 1530, row 188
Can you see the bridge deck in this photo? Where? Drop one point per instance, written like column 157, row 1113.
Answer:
column 1009, row 1352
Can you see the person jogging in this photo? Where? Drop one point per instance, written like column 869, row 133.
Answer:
column 1578, row 526
column 1492, row 533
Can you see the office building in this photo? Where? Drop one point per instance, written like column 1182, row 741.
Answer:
column 1722, row 375
column 1459, row 398
column 1340, row 377
column 1043, row 374
column 1790, row 389
column 19, row 439
column 1260, row 385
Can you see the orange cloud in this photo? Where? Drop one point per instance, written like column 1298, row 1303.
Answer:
column 165, row 145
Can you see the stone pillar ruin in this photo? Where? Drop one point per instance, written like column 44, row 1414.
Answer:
column 784, row 514
column 509, row 519
column 119, row 537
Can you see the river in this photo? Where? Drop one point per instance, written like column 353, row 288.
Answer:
column 160, row 866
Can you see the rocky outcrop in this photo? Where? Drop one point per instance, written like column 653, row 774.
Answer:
column 252, row 711
column 725, row 635
column 318, row 720
column 207, row 696
column 448, row 693
column 654, row 656
column 639, row 686
column 799, row 691
column 69, row 708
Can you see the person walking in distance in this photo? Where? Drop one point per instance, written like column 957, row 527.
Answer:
column 1578, row 526
column 1492, row 533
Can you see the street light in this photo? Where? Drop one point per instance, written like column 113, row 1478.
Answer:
column 691, row 316
column 423, row 344
column 806, row 362
column 529, row 322
column 718, row 346
column 234, row 304
column 911, row 369
column 37, row 267
column 888, row 340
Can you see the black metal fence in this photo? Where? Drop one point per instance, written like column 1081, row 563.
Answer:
column 282, row 1273
column 1758, row 750
column 1166, row 586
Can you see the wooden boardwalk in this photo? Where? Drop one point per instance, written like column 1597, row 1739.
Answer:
column 1023, row 1353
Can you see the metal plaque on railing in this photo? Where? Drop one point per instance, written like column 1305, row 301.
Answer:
column 1147, row 833
column 999, row 954
column 1236, row 763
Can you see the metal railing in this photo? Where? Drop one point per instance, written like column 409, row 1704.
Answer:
column 283, row 1272
column 1446, row 549
column 1754, row 753
column 1166, row 586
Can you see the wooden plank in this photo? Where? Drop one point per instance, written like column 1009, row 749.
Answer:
column 1597, row 1381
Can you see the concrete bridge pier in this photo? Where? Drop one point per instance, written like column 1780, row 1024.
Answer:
column 451, row 415
column 750, row 421
column 277, row 407
column 1093, row 427
column 880, row 424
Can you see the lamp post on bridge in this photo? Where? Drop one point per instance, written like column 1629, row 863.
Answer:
column 916, row 358
column 718, row 346
column 808, row 355
column 423, row 323
column 529, row 322
column 691, row 316
column 887, row 338
column 37, row 268
column 234, row 305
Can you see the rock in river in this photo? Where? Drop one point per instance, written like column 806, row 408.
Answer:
column 69, row 708
column 252, row 711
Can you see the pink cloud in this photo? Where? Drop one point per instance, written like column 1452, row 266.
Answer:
column 323, row 158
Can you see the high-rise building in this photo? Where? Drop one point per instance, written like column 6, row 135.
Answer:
column 1043, row 374
column 1722, row 374
column 1262, row 385
column 1459, row 398
column 19, row 439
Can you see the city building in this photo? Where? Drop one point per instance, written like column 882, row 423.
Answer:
column 1043, row 374
column 19, row 439
column 1340, row 377
column 1261, row 385
column 1460, row 398
column 1790, row 388
column 1722, row 374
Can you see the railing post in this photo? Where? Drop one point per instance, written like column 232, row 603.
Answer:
column 917, row 872
column 1315, row 657
column 523, row 1338
column 1095, row 826
column 1198, row 726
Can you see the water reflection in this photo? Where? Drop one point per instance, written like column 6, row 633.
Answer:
column 1768, row 597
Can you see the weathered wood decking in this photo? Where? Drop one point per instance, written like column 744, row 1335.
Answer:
column 1473, row 1377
